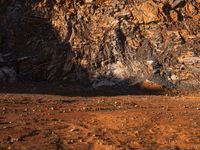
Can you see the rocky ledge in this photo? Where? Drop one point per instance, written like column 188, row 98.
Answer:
column 102, row 42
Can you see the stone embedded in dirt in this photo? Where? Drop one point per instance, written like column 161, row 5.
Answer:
column 52, row 108
column 4, row 108
column 11, row 140
column 71, row 142
column 74, row 130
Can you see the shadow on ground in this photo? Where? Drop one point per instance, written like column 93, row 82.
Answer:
column 74, row 90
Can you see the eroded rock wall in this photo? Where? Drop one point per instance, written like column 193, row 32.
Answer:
column 104, row 41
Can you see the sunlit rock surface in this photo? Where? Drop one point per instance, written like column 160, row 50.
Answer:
column 104, row 41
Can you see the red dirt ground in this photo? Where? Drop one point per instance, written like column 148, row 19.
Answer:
column 123, row 122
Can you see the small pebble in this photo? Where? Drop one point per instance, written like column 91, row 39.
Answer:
column 4, row 108
column 71, row 142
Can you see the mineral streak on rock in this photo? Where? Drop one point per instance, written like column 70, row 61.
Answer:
column 104, row 41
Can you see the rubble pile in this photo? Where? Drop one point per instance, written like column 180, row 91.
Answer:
column 105, row 42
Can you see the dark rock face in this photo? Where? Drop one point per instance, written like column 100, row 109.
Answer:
column 106, row 41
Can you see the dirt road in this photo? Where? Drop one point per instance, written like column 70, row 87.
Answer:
column 38, row 121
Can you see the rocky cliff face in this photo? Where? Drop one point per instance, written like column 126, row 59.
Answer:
column 106, row 42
